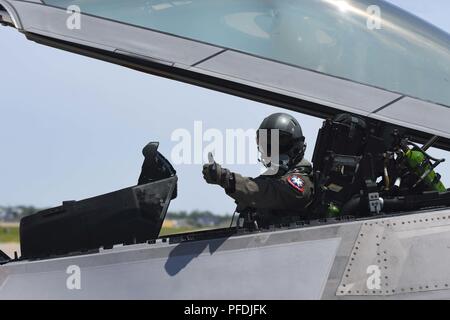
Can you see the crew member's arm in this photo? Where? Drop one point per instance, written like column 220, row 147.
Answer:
column 290, row 192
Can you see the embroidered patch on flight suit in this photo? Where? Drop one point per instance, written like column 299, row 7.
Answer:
column 296, row 181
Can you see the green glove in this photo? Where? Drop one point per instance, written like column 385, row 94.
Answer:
column 213, row 173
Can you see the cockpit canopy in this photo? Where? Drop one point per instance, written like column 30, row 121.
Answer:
column 318, row 57
column 367, row 41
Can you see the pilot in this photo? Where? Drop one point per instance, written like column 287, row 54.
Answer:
column 282, row 194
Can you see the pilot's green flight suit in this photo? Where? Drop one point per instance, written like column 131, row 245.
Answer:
column 275, row 198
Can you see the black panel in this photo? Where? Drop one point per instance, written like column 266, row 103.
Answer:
column 131, row 215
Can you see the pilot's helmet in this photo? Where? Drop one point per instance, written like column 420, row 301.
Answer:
column 291, row 142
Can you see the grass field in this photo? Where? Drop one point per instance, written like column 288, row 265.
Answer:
column 166, row 231
column 11, row 233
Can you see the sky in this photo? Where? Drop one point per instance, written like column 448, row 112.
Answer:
column 73, row 127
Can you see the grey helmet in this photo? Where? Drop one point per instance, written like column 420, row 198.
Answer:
column 291, row 140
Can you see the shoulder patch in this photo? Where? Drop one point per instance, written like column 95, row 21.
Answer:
column 297, row 182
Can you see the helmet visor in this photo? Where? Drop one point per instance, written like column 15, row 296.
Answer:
column 273, row 141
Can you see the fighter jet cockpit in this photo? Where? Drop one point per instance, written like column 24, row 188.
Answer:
column 361, row 169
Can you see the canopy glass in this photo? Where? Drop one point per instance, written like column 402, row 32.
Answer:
column 367, row 41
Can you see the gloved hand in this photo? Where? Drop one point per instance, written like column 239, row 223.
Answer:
column 213, row 173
